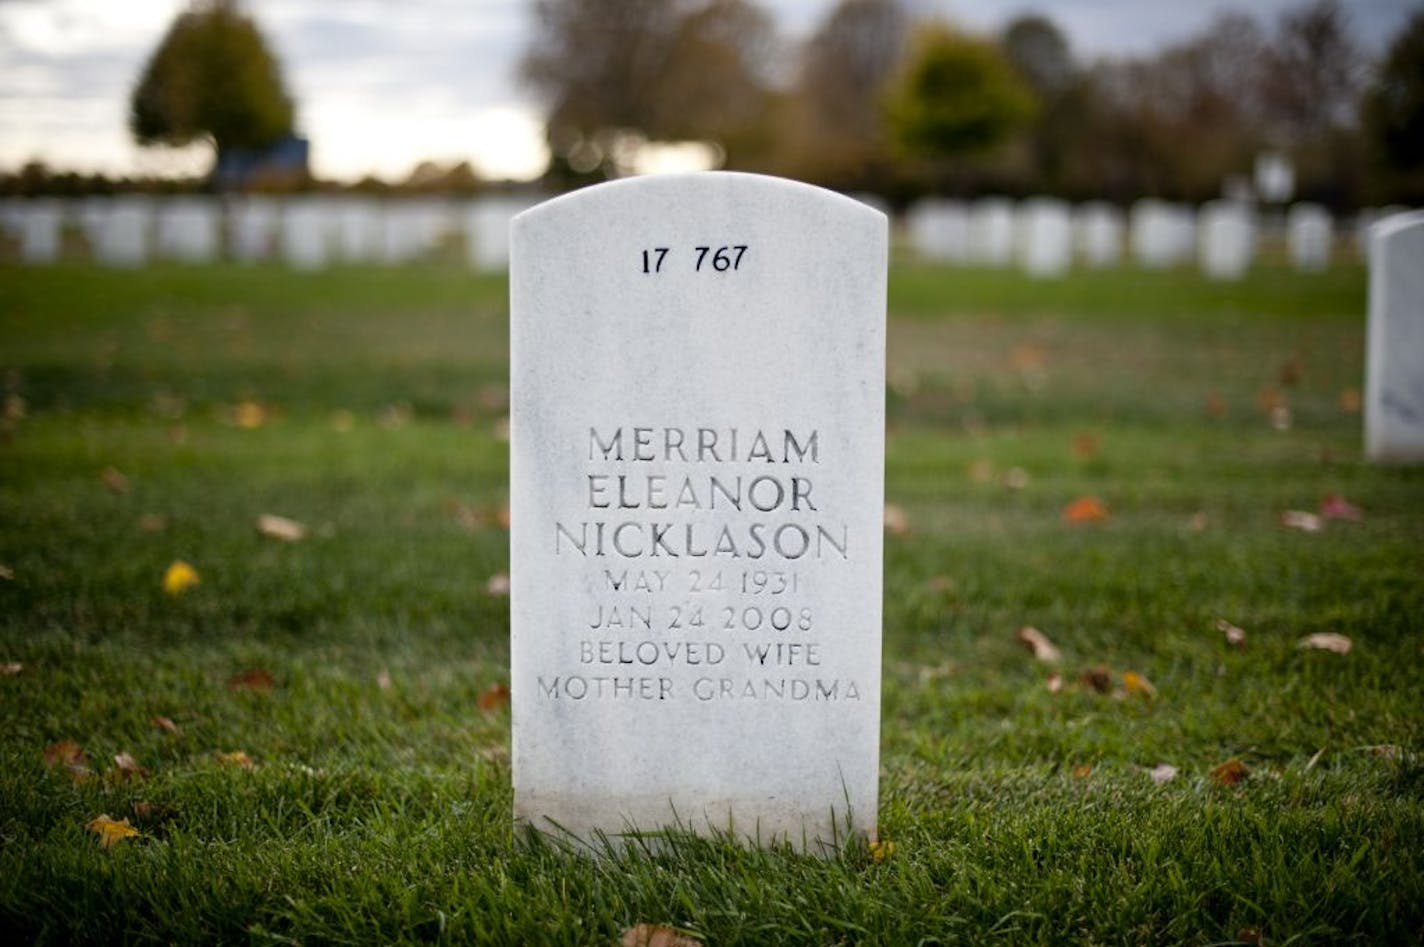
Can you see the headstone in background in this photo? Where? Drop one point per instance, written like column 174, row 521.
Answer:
column 1394, row 369
column 254, row 223
column 991, row 231
column 696, row 464
column 1162, row 234
column 307, row 230
column 939, row 231
column 41, row 230
column 487, row 222
column 124, row 236
column 1309, row 235
column 188, row 229
column 1226, row 239
column 402, row 232
column 1045, row 237
column 1098, row 233
column 1275, row 177
column 359, row 233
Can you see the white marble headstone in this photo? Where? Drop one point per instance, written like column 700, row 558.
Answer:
column 1309, row 234
column 307, row 229
column 253, row 223
column 1098, row 233
column 188, row 229
column 1226, row 239
column 1394, row 370
column 697, row 436
column 358, row 228
column 1045, row 237
column 487, row 230
column 991, row 231
column 42, row 229
column 939, row 231
column 123, row 237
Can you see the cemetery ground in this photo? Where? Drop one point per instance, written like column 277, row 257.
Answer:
column 310, row 742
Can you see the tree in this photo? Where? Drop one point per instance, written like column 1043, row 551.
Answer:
column 955, row 96
column 1394, row 108
column 1039, row 51
column 212, row 76
column 837, row 126
column 618, row 71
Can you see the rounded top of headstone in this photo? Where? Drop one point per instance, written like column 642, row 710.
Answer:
column 1394, row 223
column 734, row 184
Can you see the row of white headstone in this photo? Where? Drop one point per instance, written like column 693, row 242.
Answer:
column 309, row 232
column 1045, row 236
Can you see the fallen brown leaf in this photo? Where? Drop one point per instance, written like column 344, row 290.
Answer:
column 1289, row 375
column 1231, row 773
column 249, row 415
column 1085, row 510
column 279, row 527
column 1215, row 405
column 1037, row 642
column 117, row 483
column 152, row 523
column 498, row 584
column 1135, row 683
column 494, row 697
column 253, row 679
column 70, row 756
column 6, row 573
column 1082, row 771
column 167, row 726
column 111, row 831
column 1085, row 445
column 1098, row 678
column 1268, row 399
column 343, row 421
column 501, row 516
column 1350, row 401
column 383, row 680
column 657, row 935
column 1234, row 636
column 981, row 471
column 1251, row 937
column 11, row 668
column 1055, row 682
column 1016, row 478
column 126, row 768
column 501, row 430
column 1327, row 641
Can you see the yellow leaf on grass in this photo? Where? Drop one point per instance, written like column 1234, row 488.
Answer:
column 249, row 415
column 881, row 850
column 111, row 831
column 279, row 527
column 236, row 758
column 1135, row 683
column 179, row 577
column 1327, row 641
column 657, row 935
column 1037, row 642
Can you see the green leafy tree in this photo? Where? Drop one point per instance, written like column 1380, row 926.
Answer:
column 1394, row 107
column 956, row 96
column 212, row 77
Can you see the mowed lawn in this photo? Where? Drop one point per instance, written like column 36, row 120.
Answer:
column 316, row 748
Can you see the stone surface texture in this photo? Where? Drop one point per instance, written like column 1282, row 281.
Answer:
column 1394, row 371
column 677, row 661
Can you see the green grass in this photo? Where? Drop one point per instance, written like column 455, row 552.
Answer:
column 379, row 807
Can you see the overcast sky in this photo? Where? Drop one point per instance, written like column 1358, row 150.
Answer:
column 382, row 84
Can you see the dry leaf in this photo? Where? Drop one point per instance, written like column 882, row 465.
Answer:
column 279, row 527
column 1085, row 510
column 252, row 679
column 236, row 758
column 1198, row 522
column 6, row 573
column 11, row 668
column 1268, row 399
column 383, row 680
column 1085, row 445
column 1082, row 771
column 249, row 415
column 896, row 520
column 70, row 756
column 152, row 523
column 1016, row 478
column 494, row 697
column 1281, row 418
column 1234, row 636
column 111, row 831
column 128, row 768
column 1289, row 375
column 657, row 935
column 1327, row 641
column 343, row 421
column 117, row 483
column 981, row 471
column 1055, row 682
column 179, row 577
column 1251, row 937
column 501, row 429
column 1135, row 683
column 1301, row 520
column 167, row 726
column 1230, row 773
column 1350, row 401
column 1215, row 405
column 1163, row 772
column 1098, row 678
column 881, row 850
column 1037, row 642
column 1335, row 507
column 502, row 517
column 498, row 584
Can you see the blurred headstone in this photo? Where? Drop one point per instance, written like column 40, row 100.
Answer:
column 1275, row 177
column 1162, row 234
column 1226, row 239
column 306, row 232
column 991, row 231
column 42, row 229
column 1098, row 232
column 1045, row 237
column 254, row 223
column 125, row 232
column 696, row 539
column 1309, row 235
column 487, row 222
column 188, row 229
column 1394, row 369
column 939, row 231
column 358, row 229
